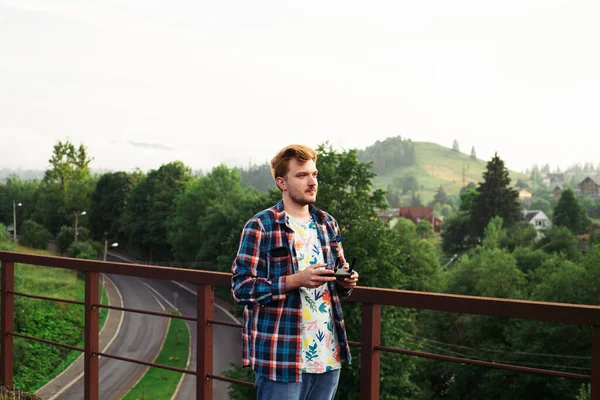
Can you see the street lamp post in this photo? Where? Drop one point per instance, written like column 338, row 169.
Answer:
column 106, row 247
column 15, row 205
column 106, row 251
column 77, row 214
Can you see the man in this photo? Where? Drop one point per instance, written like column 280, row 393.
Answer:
column 293, row 329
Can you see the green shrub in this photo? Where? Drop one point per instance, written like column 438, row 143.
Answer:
column 584, row 392
column 7, row 246
column 4, row 235
column 99, row 248
column 5, row 243
column 595, row 237
column 86, row 250
column 83, row 235
column 244, row 374
column 34, row 235
column 66, row 236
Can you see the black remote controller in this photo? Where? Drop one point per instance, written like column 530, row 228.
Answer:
column 341, row 273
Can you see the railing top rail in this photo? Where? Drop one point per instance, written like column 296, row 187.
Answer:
column 578, row 314
column 137, row 270
column 506, row 308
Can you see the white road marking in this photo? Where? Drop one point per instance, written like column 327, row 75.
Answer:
column 161, row 346
column 161, row 296
column 216, row 305
column 68, row 385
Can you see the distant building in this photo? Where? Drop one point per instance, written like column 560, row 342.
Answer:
column 537, row 218
column 590, row 186
column 557, row 178
column 525, row 196
column 546, row 181
column 388, row 214
column 418, row 214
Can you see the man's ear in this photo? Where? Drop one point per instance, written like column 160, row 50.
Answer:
column 281, row 183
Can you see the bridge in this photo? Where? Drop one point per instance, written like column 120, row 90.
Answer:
column 371, row 299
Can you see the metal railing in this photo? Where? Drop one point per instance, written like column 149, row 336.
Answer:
column 372, row 300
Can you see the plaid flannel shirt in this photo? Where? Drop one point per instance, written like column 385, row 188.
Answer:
column 272, row 317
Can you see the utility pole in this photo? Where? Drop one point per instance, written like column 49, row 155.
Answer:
column 15, row 220
column 77, row 223
column 106, row 247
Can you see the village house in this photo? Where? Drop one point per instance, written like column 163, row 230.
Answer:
column 387, row 214
column 537, row 218
column 417, row 214
column 590, row 186
column 525, row 196
column 557, row 178
column 414, row 214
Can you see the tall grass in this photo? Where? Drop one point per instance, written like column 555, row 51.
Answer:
column 7, row 394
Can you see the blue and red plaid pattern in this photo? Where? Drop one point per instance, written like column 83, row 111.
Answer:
column 272, row 317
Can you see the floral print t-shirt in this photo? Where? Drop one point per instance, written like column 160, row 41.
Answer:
column 320, row 346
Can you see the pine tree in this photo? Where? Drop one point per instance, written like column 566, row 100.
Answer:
column 440, row 196
column 495, row 198
column 473, row 155
column 570, row 213
column 455, row 146
column 415, row 200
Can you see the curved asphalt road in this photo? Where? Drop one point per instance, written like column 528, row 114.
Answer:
column 227, row 340
column 140, row 337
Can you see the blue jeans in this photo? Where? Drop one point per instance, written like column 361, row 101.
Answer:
column 313, row 387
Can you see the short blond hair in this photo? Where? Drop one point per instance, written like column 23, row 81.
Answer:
column 280, row 164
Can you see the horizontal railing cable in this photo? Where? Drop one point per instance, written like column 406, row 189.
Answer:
column 138, row 311
column 230, row 380
column 484, row 363
column 224, row 323
column 66, row 346
column 149, row 364
column 32, row 296
column 422, row 340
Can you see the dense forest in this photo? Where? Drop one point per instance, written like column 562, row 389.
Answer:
column 172, row 216
column 388, row 154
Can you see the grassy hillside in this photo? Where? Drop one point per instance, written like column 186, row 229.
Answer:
column 440, row 166
column 35, row 362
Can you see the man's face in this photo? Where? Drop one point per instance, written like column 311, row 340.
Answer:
column 300, row 183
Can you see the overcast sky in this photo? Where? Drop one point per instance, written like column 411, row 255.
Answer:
column 145, row 82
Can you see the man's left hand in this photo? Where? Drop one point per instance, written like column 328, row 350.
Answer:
column 348, row 283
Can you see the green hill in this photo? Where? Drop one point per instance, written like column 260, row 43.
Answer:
column 430, row 164
column 437, row 166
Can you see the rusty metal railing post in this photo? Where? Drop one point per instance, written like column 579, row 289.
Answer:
column 8, row 309
column 204, row 342
column 595, row 381
column 91, row 348
column 369, row 356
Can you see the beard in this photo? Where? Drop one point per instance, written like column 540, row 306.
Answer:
column 302, row 199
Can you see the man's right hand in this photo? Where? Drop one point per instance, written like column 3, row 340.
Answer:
column 311, row 277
